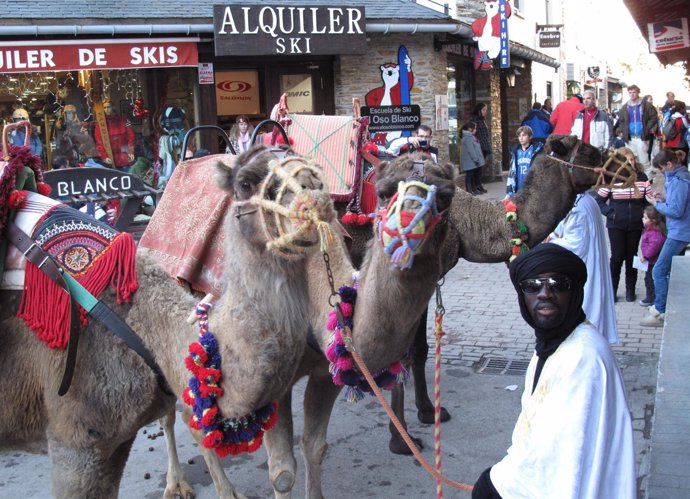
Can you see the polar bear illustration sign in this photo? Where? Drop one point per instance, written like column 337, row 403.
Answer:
column 393, row 92
column 487, row 32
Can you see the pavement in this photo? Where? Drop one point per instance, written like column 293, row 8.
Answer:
column 484, row 354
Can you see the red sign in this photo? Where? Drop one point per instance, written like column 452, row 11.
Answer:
column 22, row 57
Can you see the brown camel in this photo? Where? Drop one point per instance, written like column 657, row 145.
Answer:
column 389, row 300
column 478, row 232
column 259, row 324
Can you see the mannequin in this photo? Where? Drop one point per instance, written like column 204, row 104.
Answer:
column 121, row 136
column 173, row 123
column 71, row 134
column 19, row 135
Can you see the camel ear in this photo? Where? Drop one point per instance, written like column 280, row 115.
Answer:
column 558, row 147
column 449, row 170
column 225, row 173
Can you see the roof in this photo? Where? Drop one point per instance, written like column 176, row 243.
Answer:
column 148, row 11
column 649, row 11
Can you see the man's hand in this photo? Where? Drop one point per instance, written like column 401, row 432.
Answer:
column 108, row 160
column 130, row 156
column 414, row 141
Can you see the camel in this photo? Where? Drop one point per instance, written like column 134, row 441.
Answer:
column 478, row 232
column 259, row 324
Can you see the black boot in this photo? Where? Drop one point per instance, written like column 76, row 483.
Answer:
column 615, row 278
column 630, row 282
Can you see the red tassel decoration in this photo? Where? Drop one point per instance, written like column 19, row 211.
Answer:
column 43, row 189
column 17, row 199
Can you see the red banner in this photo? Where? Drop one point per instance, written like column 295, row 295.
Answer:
column 22, row 57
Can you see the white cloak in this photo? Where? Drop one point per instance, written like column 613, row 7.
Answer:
column 582, row 231
column 573, row 438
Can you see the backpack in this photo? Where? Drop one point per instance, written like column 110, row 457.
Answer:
column 670, row 131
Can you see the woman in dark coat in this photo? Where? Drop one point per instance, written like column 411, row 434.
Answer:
column 623, row 209
column 479, row 118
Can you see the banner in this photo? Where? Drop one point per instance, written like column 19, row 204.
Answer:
column 22, row 57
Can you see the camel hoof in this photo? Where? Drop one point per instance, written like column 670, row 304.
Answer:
column 427, row 417
column 284, row 482
column 398, row 446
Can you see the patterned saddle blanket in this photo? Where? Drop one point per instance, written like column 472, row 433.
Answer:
column 92, row 252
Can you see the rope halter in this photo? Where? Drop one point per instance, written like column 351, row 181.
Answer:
column 309, row 212
column 625, row 171
column 403, row 233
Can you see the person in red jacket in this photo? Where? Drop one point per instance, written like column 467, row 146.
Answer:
column 564, row 115
column 121, row 137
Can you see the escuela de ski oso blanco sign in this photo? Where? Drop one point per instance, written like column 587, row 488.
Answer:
column 241, row 30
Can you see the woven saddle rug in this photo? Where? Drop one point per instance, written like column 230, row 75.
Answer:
column 185, row 233
column 92, row 252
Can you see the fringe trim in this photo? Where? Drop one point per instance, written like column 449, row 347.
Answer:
column 45, row 306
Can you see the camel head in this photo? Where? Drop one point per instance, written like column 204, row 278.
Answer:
column 577, row 158
column 413, row 193
column 279, row 204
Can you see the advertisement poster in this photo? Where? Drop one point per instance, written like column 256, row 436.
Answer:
column 237, row 92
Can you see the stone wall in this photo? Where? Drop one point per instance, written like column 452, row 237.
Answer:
column 357, row 75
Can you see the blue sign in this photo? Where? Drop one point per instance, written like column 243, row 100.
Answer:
column 504, row 55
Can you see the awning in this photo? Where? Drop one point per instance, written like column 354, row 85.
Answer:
column 74, row 55
column 519, row 50
column 665, row 16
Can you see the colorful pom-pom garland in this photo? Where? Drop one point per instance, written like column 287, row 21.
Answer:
column 226, row 436
column 518, row 228
column 342, row 365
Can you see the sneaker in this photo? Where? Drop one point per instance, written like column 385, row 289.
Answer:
column 653, row 311
column 646, row 303
column 653, row 321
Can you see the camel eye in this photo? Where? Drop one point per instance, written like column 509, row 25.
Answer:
column 245, row 186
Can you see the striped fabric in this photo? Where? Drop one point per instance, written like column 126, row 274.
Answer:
column 331, row 141
column 642, row 189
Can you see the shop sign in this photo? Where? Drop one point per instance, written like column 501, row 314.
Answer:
column 90, row 181
column 22, row 57
column 668, row 35
column 288, row 30
column 549, row 39
column 237, row 92
column 392, row 118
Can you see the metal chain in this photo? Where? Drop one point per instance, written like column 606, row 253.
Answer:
column 331, row 283
column 440, row 309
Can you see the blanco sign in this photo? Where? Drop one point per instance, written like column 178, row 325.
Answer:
column 288, row 30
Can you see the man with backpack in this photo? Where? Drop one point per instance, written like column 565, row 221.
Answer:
column 675, row 127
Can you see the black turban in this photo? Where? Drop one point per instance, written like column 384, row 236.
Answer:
column 551, row 258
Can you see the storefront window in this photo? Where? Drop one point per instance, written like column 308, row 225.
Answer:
column 460, row 92
column 144, row 112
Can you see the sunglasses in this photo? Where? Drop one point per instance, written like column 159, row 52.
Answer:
column 557, row 284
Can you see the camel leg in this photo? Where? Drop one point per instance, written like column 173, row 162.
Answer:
column 176, row 483
column 319, row 399
column 83, row 473
column 223, row 486
column 282, row 466
column 396, row 444
column 420, row 353
column 425, row 407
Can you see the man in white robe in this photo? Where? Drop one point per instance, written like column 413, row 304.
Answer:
column 582, row 231
column 573, row 438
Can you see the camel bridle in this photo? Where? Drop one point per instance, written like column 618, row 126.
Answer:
column 308, row 210
column 402, row 232
column 624, row 167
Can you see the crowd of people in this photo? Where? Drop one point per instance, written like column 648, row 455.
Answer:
column 653, row 141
